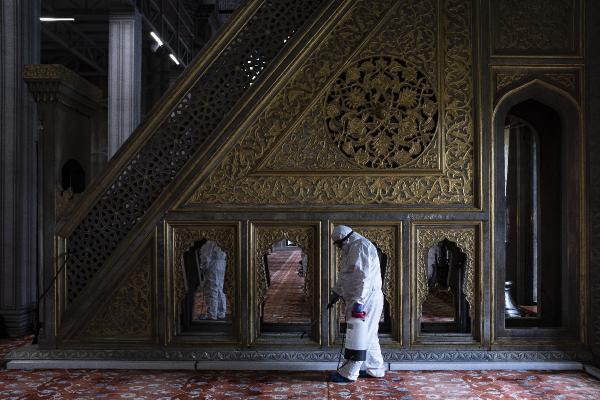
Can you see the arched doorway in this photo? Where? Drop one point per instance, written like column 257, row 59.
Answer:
column 537, row 190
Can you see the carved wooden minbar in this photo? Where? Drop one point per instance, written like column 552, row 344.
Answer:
column 380, row 114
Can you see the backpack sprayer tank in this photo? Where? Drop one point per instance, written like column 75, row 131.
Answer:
column 356, row 339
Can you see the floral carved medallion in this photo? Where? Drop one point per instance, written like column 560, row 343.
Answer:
column 382, row 112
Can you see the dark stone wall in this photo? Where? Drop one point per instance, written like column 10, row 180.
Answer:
column 593, row 131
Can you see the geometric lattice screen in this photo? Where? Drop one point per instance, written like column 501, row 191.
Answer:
column 157, row 162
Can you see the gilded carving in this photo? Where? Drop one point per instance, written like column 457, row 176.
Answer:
column 381, row 112
column 540, row 25
column 185, row 237
column 238, row 179
column 267, row 236
column 505, row 79
column 567, row 80
column 63, row 200
column 465, row 240
column 391, row 355
column 129, row 311
column 384, row 238
column 44, row 81
column 307, row 148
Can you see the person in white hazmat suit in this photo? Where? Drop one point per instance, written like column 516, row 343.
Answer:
column 212, row 262
column 359, row 284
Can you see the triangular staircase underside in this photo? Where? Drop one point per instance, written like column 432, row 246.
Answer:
column 272, row 120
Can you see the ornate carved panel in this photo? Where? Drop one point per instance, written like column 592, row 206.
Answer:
column 129, row 312
column 30, row 353
column 532, row 27
column 381, row 113
column 565, row 78
column 266, row 236
column 268, row 165
column 466, row 240
column 184, row 238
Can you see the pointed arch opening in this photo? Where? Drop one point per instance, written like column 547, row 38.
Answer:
column 285, row 291
column 287, row 305
column 537, row 208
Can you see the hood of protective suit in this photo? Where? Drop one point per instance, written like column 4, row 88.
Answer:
column 340, row 232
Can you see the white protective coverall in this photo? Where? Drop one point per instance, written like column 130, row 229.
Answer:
column 360, row 282
column 212, row 268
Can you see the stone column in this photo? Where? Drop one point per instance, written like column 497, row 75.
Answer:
column 69, row 110
column 124, row 76
column 19, row 45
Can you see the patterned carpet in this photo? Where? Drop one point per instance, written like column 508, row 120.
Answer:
column 285, row 300
column 409, row 385
column 438, row 307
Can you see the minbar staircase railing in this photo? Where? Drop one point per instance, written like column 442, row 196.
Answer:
column 177, row 129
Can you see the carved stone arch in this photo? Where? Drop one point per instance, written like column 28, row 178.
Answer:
column 267, row 236
column 572, row 185
column 184, row 239
column 540, row 90
column 464, row 238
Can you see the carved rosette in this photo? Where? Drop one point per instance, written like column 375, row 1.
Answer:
column 382, row 112
column 238, row 179
column 465, row 240
column 185, row 237
column 129, row 311
column 267, row 236
column 384, row 237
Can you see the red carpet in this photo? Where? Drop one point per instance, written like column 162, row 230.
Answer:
column 285, row 300
column 413, row 385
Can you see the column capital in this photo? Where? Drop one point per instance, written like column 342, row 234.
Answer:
column 51, row 83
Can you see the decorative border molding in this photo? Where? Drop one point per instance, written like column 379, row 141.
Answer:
column 31, row 353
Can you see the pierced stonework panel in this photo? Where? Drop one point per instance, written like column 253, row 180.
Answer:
column 429, row 236
column 364, row 33
column 385, row 238
column 382, row 112
column 535, row 26
column 184, row 238
column 156, row 163
column 265, row 237
column 129, row 312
